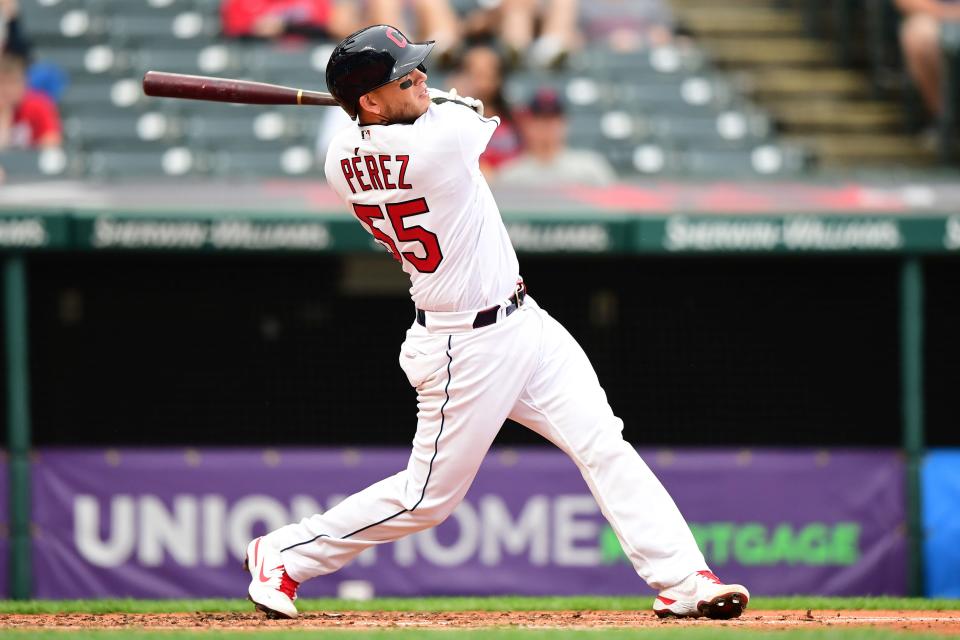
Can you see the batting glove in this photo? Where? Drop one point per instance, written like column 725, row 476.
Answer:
column 438, row 96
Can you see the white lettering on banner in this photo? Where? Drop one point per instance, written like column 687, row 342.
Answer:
column 214, row 510
column 572, row 535
column 815, row 233
column 190, row 530
column 682, row 234
column 501, row 533
column 405, row 551
column 246, row 235
column 187, row 235
column 462, row 549
column 951, row 239
column 247, row 512
column 23, row 233
column 162, row 530
column 799, row 233
column 118, row 546
column 553, row 237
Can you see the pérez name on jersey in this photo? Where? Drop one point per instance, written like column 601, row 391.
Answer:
column 374, row 172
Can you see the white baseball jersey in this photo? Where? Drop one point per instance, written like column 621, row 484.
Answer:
column 419, row 190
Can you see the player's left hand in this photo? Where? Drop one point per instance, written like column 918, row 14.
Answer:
column 438, row 96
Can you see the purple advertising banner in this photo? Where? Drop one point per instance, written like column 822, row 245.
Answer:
column 175, row 523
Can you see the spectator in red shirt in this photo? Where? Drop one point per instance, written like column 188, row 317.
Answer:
column 28, row 119
column 332, row 19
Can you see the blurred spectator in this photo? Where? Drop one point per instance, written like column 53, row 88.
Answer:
column 541, row 32
column 480, row 75
column 12, row 39
column 336, row 19
column 435, row 20
column 627, row 25
column 43, row 76
column 333, row 19
column 920, row 38
column 557, row 35
column 28, row 118
column 547, row 160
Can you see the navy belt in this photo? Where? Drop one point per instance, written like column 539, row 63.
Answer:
column 488, row 316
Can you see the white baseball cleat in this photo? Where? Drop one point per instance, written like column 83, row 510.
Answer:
column 702, row 594
column 271, row 589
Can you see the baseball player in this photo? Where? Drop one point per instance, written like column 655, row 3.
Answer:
column 479, row 350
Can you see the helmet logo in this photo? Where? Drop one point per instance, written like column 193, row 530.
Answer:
column 396, row 37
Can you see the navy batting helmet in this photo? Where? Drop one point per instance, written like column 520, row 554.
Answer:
column 368, row 59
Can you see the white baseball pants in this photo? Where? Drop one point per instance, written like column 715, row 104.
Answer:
column 526, row 367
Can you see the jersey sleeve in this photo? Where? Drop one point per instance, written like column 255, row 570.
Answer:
column 471, row 130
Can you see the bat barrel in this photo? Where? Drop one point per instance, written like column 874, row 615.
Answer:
column 177, row 85
column 172, row 85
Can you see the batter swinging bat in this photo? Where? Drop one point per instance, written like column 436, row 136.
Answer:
column 177, row 85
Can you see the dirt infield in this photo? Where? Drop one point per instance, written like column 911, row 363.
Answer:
column 925, row 621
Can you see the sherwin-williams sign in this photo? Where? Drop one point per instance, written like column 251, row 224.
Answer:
column 174, row 523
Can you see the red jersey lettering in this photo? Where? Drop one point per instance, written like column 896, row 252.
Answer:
column 385, row 172
column 373, row 171
column 347, row 173
column 358, row 172
column 403, row 172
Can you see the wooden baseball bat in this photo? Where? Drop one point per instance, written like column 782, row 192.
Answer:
column 178, row 85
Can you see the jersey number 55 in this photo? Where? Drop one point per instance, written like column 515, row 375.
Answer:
column 396, row 212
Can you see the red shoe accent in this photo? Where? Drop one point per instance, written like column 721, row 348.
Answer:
column 289, row 586
column 666, row 601
column 264, row 578
column 710, row 576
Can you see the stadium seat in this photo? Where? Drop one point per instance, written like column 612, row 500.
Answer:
column 93, row 60
column 730, row 129
column 145, row 8
column 295, row 64
column 695, row 93
column 764, row 160
column 294, row 161
column 51, row 163
column 188, row 28
column 135, row 131
column 108, row 94
column 649, row 158
column 267, row 129
column 173, row 161
column 613, row 65
column 61, row 26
